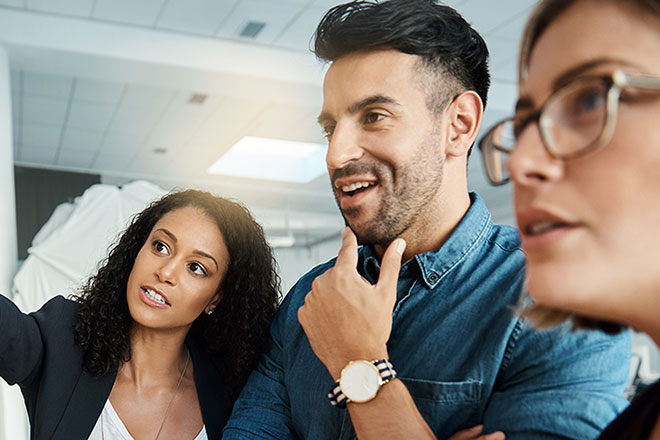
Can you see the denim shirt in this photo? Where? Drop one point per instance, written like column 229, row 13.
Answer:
column 456, row 343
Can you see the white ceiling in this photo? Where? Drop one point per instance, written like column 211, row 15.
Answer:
column 103, row 86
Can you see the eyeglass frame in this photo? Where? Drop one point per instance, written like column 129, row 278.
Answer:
column 615, row 82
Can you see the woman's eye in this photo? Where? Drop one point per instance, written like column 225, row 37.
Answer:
column 197, row 269
column 160, row 247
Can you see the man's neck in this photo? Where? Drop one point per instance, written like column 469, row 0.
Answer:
column 430, row 232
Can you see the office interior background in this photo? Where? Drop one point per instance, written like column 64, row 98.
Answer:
column 109, row 92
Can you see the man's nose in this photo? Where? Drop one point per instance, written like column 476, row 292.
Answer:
column 343, row 146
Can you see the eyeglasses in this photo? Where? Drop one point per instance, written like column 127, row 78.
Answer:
column 576, row 120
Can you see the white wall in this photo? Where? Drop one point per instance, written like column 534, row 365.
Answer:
column 295, row 262
column 12, row 413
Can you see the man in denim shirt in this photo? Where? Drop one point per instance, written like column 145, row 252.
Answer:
column 403, row 101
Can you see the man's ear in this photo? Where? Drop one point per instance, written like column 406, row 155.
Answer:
column 464, row 114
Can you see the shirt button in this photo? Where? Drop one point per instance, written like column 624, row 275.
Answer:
column 433, row 277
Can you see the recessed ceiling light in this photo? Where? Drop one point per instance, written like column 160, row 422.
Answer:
column 272, row 159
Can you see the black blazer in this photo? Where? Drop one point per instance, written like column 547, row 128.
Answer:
column 37, row 352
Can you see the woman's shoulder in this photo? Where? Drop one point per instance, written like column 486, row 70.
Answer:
column 58, row 306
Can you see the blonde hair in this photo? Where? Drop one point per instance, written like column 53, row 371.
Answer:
column 546, row 11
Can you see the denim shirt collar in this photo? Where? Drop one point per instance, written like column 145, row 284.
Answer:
column 433, row 265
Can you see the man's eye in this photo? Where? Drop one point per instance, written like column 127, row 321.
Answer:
column 371, row 118
column 327, row 131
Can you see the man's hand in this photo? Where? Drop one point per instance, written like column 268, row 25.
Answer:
column 346, row 318
column 475, row 434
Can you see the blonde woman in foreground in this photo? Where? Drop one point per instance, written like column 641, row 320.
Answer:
column 583, row 152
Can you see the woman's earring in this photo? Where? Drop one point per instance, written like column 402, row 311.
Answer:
column 210, row 311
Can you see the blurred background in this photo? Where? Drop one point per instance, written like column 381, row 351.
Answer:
column 104, row 93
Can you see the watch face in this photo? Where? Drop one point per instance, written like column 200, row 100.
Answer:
column 360, row 381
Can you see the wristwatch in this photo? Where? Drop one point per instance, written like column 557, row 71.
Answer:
column 360, row 381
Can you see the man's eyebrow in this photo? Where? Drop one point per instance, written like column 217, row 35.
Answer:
column 358, row 106
column 370, row 100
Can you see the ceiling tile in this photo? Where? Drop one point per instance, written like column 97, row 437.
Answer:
column 38, row 135
column 143, row 12
column 39, row 155
column 78, row 8
column 112, row 162
column 13, row 3
column 46, row 84
column 202, row 17
column 134, row 120
column 299, row 34
column 486, row 19
column 228, row 122
column 502, row 96
column 81, row 140
column 90, row 115
column 75, row 158
column 512, row 29
column 276, row 16
column 44, row 110
column 121, row 143
column 148, row 162
column 153, row 98
column 506, row 72
column 98, row 91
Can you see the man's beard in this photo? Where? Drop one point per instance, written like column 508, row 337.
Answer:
column 405, row 198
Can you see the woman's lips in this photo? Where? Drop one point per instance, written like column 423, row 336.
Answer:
column 153, row 297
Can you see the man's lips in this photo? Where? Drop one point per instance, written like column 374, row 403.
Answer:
column 350, row 185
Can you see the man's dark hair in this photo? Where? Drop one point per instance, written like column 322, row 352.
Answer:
column 453, row 52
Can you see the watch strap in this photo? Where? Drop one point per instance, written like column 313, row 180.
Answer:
column 386, row 371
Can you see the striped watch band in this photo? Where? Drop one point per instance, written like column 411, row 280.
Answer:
column 386, row 371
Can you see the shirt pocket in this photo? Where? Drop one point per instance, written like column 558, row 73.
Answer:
column 447, row 406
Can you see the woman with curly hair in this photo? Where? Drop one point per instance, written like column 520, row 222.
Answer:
column 160, row 341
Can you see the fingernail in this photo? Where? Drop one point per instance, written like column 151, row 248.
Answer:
column 400, row 245
column 477, row 428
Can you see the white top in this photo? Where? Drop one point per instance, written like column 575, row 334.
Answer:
column 109, row 426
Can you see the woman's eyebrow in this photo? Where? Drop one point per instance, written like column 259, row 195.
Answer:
column 204, row 254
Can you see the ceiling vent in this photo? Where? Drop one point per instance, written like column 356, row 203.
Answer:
column 197, row 98
column 252, row 29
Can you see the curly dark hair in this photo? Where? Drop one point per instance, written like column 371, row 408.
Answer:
column 453, row 53
column 236, row 333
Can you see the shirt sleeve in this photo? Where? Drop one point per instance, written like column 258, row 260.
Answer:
column 21, row 346
column 559, row 384
column 262, row 410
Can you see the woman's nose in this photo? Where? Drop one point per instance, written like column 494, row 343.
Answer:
column 530, row 162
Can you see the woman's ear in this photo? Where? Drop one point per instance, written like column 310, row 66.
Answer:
column 465, row 114
column 210, row 307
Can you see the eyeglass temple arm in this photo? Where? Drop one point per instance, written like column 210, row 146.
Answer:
column 647, row 82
